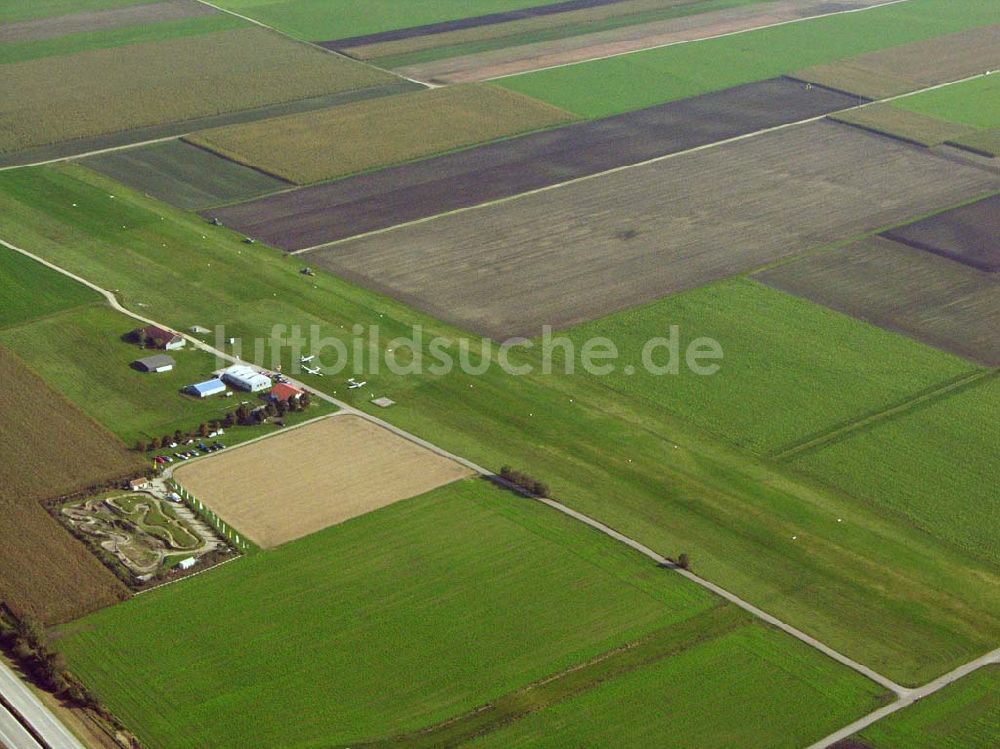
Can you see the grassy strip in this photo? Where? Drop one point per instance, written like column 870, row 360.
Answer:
column 12, row 12
column 577, row 680
column 887, row 119
column 642, row 79
column 974, row 103
column 120, row 37
column 29, row 291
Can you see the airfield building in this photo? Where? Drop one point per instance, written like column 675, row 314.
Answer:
column 246, row 378
column 157, row 363
column 162, row 338
column 207, row 388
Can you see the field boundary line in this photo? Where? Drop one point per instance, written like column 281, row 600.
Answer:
column 238, row 556
column 927, row 397
column 699, row 39
column 915, row 695
column 638, row 164
column 491, row 475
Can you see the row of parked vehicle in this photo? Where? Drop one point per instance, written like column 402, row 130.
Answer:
column 188, row 454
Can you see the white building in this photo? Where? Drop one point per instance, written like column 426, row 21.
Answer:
column 186, row 564
column 246, row 378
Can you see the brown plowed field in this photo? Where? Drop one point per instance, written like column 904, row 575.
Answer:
column 289, row 486
column 100, row 20
column 336, row 210
column 909, row 67
column 927, row 297
column 528, row 57
column 585, row 250
column 970, row 234
column 48, row 449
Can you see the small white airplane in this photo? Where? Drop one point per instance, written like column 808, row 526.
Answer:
column 313, row 371
column 352, row 385
column 307, row 359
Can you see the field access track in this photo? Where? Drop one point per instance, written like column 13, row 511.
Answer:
column 582, row 251
column 970, row 234
column 931, row 298
column 325, row 213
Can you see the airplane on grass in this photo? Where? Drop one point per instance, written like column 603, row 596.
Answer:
column 353, row 384
column 313, row 371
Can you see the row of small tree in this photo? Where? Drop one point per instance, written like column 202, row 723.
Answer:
column 524, row 481
column 244, row 415
column 27, row 643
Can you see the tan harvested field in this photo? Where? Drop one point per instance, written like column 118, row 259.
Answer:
column 49, row 449
column 292, row 485
column 527, row 57
column 100, row 20
column 581, row 251
column 900, row 123
column 357, row 137
column 931, row 298
column 511, row 28
column 90, row 93
column 909, row 67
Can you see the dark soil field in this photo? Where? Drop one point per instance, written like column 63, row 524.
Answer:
column 645, row 232
column 49, row 448
column 100, row 20
column 184, row 175
column 910, row 67
column 465, row 23
column 970, row 234
column 325, row 213
column 927, row 297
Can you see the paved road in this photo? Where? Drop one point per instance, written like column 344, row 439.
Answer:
column 912, row 696
column 12, row 733
column 17, row 694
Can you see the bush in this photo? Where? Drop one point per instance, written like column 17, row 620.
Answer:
column 524, row 481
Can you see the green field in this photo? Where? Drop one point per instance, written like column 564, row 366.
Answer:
column 643, row 79
column 790, row 369
column 633, row 463
column 679, row 697
column 317, row 20
column 964, row 715
column 975, row 103
column 80, row 353
column 184, row 175
column 24, row 11
column 936, row 466
column 119, row 37
column 29, row 290
column 452, row 598
column 175, row 79
column 367, row 135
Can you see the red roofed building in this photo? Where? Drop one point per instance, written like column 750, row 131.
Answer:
column 283, row 392
column 153, row 336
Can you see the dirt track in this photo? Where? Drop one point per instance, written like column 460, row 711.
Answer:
column 327, row 212
column 292, row 485
column 101, row 20
column 588, row 249
column 528, row 57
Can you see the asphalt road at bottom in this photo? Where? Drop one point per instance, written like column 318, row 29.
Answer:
column 13, row 735
column 20, row 697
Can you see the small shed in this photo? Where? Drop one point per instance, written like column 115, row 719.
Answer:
column 186, row 564
column 157, row 363
column 207, row 388
column 139, row 484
